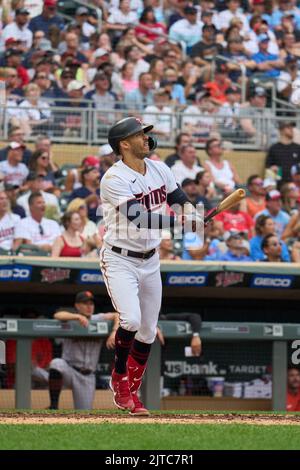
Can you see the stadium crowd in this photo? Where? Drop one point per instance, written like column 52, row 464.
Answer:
column 149, row 58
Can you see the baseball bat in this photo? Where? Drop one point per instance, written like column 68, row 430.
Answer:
column 228, row 202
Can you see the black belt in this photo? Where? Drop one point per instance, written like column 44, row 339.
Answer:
column 83, row 371
column 133, row 254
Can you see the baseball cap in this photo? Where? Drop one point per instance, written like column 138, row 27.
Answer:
column 84, row 296
column 258, row 91
column 75, row 85
column 186, row 182
column 22, row 11
column 263, row 37
column 82, row 11
column 91, row 160
column 50, row 3
column 295, row 170
column 16, row 145
column 190, row 10
column 105, row 150
column 273, row 195
column 100, row 52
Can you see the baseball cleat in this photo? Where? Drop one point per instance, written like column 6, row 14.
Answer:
column 139, row 409
column 121, row 394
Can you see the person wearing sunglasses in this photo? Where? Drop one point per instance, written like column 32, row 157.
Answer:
column 40, row 164
column 255, row 202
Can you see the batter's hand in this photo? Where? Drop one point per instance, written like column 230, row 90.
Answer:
column 110, row 342
column 82, row 320
column 196, row 345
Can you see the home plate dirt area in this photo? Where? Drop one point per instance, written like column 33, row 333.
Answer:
column 165, row 418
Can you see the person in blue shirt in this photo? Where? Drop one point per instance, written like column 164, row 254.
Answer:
column 89, row 191
column 273, row 210
column 272, row 249
column 265, row 226
column 47, row 18
column 237, row 249
column 268, row 64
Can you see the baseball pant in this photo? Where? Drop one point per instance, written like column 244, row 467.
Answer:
column 134, row 286
column 82, row 386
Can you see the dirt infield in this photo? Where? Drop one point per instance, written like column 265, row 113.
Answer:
column 165, row 418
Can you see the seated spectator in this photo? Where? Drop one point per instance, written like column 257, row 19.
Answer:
column 268, row 65
column 36, row 229
column 15, row 172
column 229, row 112
column 89, row 191
column 13, row 60
column 235, row 219
column 43, row 143
column 149, row 29
column 255, row 202
column 172, row 85
column 237, row 249
column 181, row 139
column 15, row 134
column 288, row 78
column 273, row 210
column 127, row 81
column 223, row 173
column 34, row 112
column 233, row 11
column 142, row 96
column 70, row 243
column 218, row 87
column 8, row 223
column 160, row 115
column 103, row 98
column 85, row 29
column 290, row 198
column 252, row 112
column 72, row 121
column 120, row 18
column 166, row 249
column 188, row 30
column 35, row 183
column 265, row 225
column 293, row 389
column 272, row 249
column 204, row 51
column 187, row 166
column 18, row 29
column 194, row 249
column 295, row 175
column 107, row 158
column 190, row 188
column 47, row 18
column 40, row 164
column 284, row 154
column 87, row 229
column 199, row 119
column 73, row 180
column 205, row 189
column 12, row 191
column 134, row 56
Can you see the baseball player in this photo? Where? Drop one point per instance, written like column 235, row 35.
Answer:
column 76, row 368
column 134, row 193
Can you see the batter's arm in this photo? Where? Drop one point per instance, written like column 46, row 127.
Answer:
column 137, row 214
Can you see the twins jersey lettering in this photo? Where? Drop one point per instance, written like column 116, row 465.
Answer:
column 14, row 174
column 8, row 225
column 120, row 184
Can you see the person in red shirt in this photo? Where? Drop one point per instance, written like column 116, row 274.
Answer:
column 235, row 219
column 293, row 390
column 217, row 88
column 149, row 30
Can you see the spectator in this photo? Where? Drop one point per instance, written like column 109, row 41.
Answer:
column 295, row 175
column 160, row 115
column 103, row 98
column 34, row 113
column 187, row 31
column 141, row 97
column 187, row 166
column 205, row 190
column 288, row 78
column 273, row 209
column 13, row 82
column 44, row 144
column 73, row 180
column 204, row 51
column 127, row 81
column 284, row 154
column 293, row 390
column 230, row 114
column 268, row 64
column 218, row 86
column 35, row 183
column 265, row 225
column 199, row 119
column 235, row 219
column 237, row 249
column 87, row 229
column 233, row 11
column 120, row 18
column 223, row 173
column 149, row 29
column 71, row 50
column 194, row 249
column 272, row 249
column 12, row 192
column 89, row 191
column 166, row 249
column 70, row 243
column 252, row 113
column 8, row 223
column 181, row 139
column 14, row 171
column 84, row 27
column 13, row 60
column 36, row 229
column 175, row 89
column 18, row 29
column 40, row 164
column 133, row 55
column 47, row 18
column 76, row 368
column 255, row 201
column 290, row 198
column 190, row 188
column 15, row 134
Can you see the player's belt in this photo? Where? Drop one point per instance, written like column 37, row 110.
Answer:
column 133, row 254
column 83, row 371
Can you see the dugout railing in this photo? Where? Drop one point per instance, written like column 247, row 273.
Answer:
column 24, row 331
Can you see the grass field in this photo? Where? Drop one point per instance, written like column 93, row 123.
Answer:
column 86, row 432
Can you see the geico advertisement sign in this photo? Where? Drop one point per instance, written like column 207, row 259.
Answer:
column 90, row 277
column 16, row 273
column 186, row 279
column 272, row 281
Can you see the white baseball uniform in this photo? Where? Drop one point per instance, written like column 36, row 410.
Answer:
column 8, row 224
column 80, row 354
column 134, row 284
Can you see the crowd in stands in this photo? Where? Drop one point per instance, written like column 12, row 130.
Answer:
column 146, row 58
